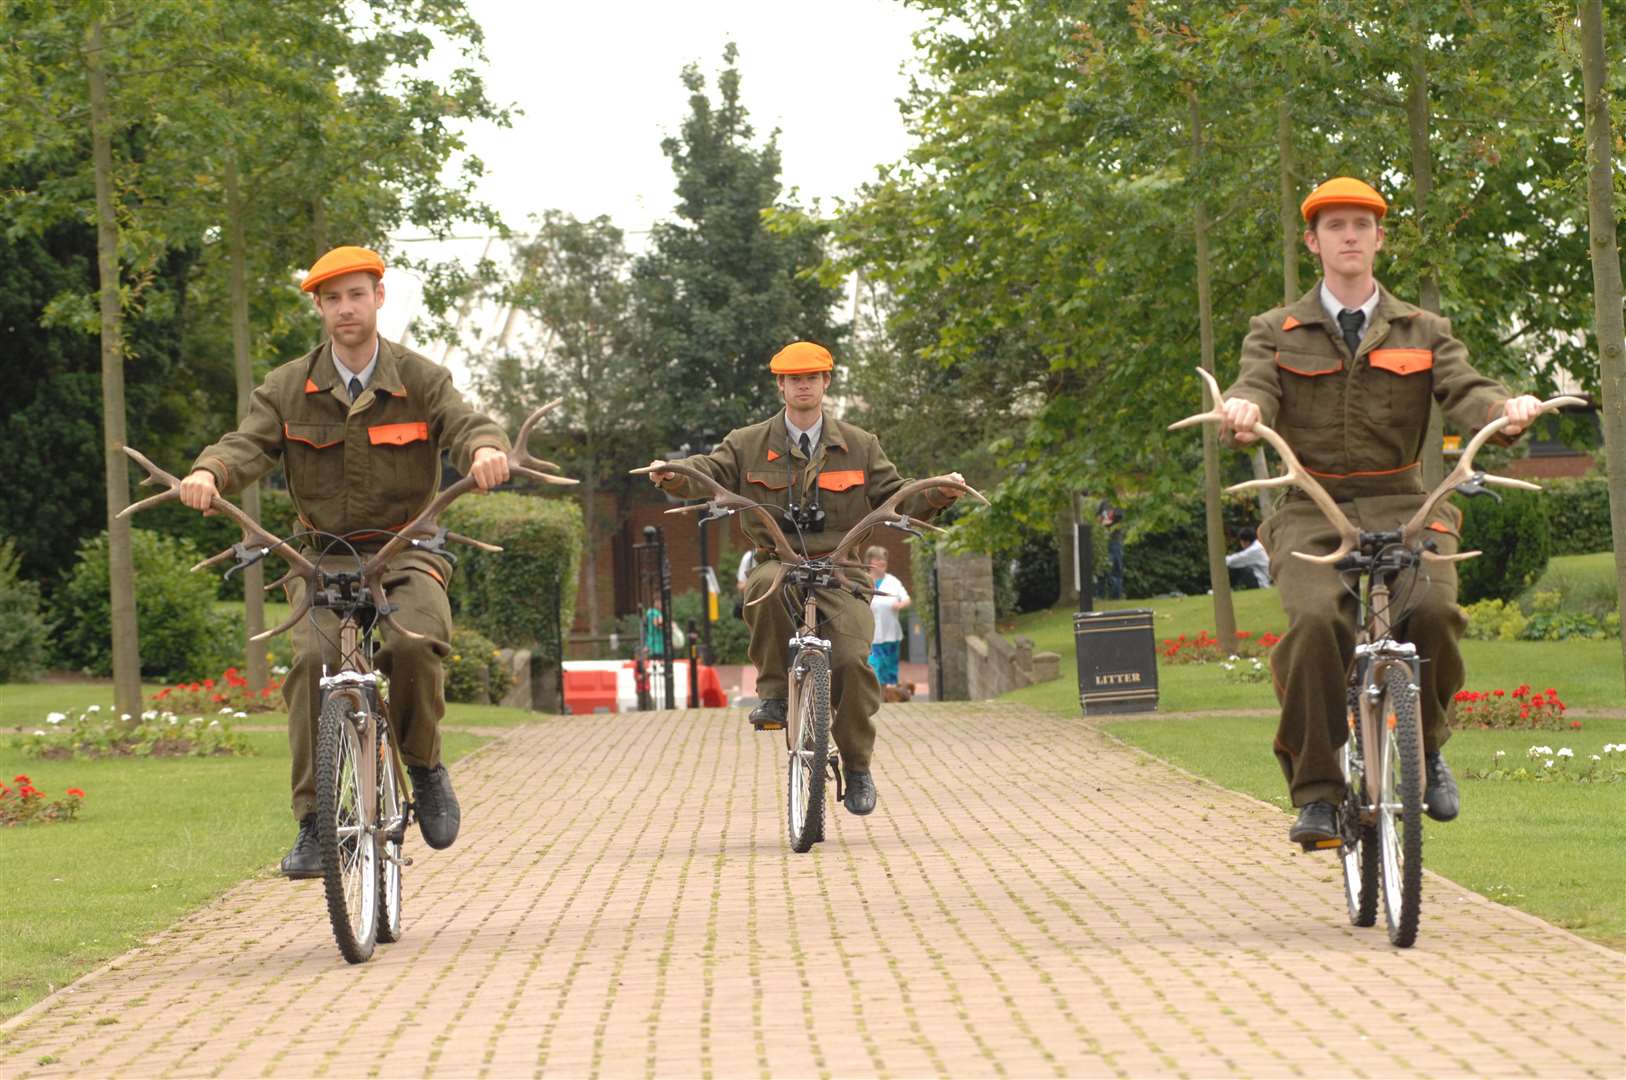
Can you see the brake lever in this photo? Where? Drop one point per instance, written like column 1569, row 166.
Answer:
column 247, row 555
column 1474, row 486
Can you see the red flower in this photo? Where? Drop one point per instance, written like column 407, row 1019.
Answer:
column 1500, row 693
column 231, row 672
column 1244, row 633
column 76, row 793
column 217, row 698
column 1524, row 714
column 20, row 779
column 266, row 692
column 194, row 687
column 1576, row 724
column 208, row 684
column 161, row 695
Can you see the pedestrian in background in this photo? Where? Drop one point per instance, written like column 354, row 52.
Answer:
column 889, row 598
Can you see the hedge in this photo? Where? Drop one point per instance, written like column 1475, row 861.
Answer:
column 214, row 534
column 508, row 595
column 1174, row 559
column 25, row 634
column 1578, row 512
column 1515, row 540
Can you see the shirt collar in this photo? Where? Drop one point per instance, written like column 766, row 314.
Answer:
column 812, row 433
column 1330, row 303
column 366, row 376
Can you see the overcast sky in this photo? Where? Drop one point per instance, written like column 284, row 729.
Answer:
column 599, row 86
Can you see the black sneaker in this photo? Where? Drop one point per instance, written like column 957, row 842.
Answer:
column 770, row 715
column 1440, row 800
column 859, row 797
column 435, row 803
column 304, row 859
column 1317, row 826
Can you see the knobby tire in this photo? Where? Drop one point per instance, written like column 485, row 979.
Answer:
column 809, row 750
column 1401, row 823
column 350, row 874
column 391, row 807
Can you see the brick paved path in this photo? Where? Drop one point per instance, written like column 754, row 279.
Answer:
column 622, row 904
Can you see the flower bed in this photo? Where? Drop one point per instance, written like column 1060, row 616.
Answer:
column 95, row 733
column 1549, row 766
column 1517, row 708
column 1206, row 649
column 231, row 691
column 27, row 805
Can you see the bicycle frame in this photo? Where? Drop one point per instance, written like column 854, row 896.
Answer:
column 1376, row 652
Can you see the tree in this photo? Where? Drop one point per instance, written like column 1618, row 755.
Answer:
column 720, row 291
column 1606, row 289
column 578, row 342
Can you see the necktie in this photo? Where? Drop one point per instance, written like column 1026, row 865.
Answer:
column 807, row 446
column 355, row 389
column 1350, row 323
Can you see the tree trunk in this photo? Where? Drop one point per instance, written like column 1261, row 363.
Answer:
column 120, row 560
column 1422, row 168
column 1218, row 576
column 1606, row 283
column 259, row 673
column 589, row 490
column 1066, row 537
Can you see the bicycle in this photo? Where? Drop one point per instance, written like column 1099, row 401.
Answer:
column 1381, row 819
column 362, row 811
column 810, row 761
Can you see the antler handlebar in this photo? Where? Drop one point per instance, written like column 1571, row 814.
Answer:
column 520, row 461
column 1349, row 536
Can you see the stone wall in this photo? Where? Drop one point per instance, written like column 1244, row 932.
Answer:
column 996, row 665
column 965, row 609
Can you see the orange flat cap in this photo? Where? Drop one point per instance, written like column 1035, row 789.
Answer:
column 342, row 260
column 1343, row 191
column 801, row 358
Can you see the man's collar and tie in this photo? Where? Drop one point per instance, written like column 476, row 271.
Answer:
column 1352, row 322
column 804, row 440
column 353, row 382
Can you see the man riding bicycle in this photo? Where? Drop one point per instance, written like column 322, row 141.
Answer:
column 1346, row 375
column 824, row 475
column 359, row 423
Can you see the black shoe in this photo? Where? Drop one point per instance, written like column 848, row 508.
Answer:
column 770, row 715
column 860, row 795
column 1317, row 824
column 304, row 860
column 1441, row 801
column 438, row 813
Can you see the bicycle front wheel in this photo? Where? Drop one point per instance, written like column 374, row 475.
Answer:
column 809, row 748
column 346, row 814
column 1400, row 816
column 391, row 834
column 1360, row 850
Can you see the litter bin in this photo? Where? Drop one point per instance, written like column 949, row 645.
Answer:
column 1117, row 661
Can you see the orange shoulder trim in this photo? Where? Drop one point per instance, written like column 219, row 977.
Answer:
column 311, row 387
column 1290, row 322
column 773, row 455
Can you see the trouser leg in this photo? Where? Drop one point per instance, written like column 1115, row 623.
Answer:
column 771, row 628
column 315, row 642
column 415, row 667
column 1435, row 624
column 855, row 694
column 1310, row 665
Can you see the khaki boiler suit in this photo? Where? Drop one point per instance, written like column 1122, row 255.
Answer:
column 368, row 464
column 853, row 476
column 1358, row 424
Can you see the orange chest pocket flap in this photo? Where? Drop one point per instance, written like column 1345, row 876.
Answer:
column 1309, row 363
column 398, row 434
column 841, row 479
column 321, row 436
column 1402, row 361
column 772, row 479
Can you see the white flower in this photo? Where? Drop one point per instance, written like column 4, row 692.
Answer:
column 125, row 717
column 1547, row 764
column 172, row 720
column 1595, row 757
column 55, row 718
column 39, row 733
column 226, row 711
column 1500, row 754
column 239, row 716
column 93, row 708
column 214, row 723
column 1233, row 656
column 1565, row 751
column 1228, row 667
column 150, row 714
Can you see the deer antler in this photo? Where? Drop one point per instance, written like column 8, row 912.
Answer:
column 1349, row 537
column 888, row 514
column 722, row 502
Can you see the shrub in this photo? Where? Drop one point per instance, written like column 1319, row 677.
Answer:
column 730, row 638
column 1515, row 540
column 213, row 534
column 511, row 595
column 25, row 634
column 1521, row 707
column 1494, row 620
column 180, row 632
column 27, row 805
column 1174, row 558
column 95, row 732
column 475, row 672
column 1578, row 511
column 1036, row 572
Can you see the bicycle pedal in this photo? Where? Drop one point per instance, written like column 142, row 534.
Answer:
column 1321, row 845
column 769, row 725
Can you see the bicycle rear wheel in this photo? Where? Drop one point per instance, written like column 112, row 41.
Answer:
column 1360, row 851
column 346, row 811
column 1400, row 818
column 391, row 835
column 809, row 749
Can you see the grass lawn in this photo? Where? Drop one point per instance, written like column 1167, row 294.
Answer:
column 155, row 840
column 1555, row 850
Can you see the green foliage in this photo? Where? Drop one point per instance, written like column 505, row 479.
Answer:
column 475, row 673
column 214, row 534
column 1515, row 539
column 719, row 292
column 730, row 638
column 181, row 633
column 1173, row 557
column 1578, row 511
column 510, row 595
column 25, row 635
column 95, row 733
column 1495, row 620
column 1551, row 619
